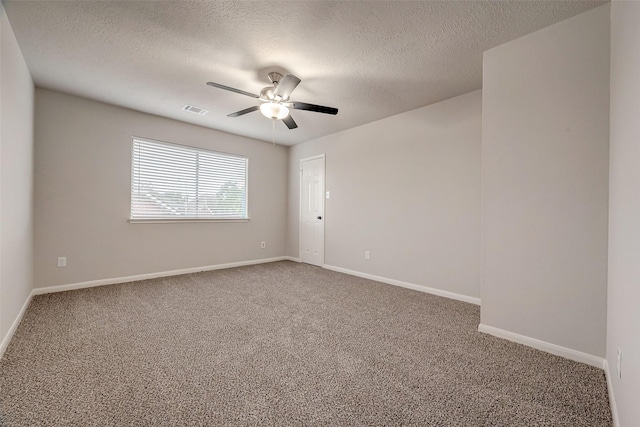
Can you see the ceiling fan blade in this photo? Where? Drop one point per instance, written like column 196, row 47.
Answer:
column 312, row 107
column 286, row 86
column 232, row 89
column 291, row 124
column 245, row 111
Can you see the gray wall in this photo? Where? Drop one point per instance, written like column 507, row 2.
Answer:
column 623, row 321
column 16, row 179
column 545, row 131
column 406, row 188
column 82, row 196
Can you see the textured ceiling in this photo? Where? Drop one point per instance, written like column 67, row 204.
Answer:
column 369, row 59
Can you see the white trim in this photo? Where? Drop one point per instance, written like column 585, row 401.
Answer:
column 290, row 258
column 567, row 353
column 172, row 220
column 14, row 326
column 113, row 281
column 612, row 398
column 318, row 156
column 421, row 288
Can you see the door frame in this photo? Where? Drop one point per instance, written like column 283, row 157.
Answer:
column 324, row 191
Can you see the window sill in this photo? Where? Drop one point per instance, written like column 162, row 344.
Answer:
column 174, row 220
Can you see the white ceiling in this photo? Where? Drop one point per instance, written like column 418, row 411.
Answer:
column 369, row 59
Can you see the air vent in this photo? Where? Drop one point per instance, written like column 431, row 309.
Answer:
column 196, row 110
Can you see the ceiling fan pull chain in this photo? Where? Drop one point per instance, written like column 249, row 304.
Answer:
column 273, row 128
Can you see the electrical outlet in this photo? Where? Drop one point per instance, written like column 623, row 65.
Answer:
column 619, row 365
column 263, row 245
column 62, row 261
column 367, row 255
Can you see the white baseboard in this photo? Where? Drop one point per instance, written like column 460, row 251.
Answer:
column 612, row 398
column 567, row 353
column 426, row 289
column 14, row 325
column 112, row 281
column 291, row 258
column 115, row 280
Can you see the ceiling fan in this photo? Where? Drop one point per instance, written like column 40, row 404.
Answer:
column 275, row 100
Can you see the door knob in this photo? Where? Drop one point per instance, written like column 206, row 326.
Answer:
column 319, row 217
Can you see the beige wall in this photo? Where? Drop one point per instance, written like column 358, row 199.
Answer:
column 82, row 196
column 16, row 179
column 545, row 131
column 406, row 188
column 623, row 322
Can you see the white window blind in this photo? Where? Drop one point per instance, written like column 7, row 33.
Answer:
column 170, row 181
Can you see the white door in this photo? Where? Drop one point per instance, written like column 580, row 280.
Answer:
column 312, row 211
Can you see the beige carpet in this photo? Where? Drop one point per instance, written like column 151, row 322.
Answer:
column 280, row 344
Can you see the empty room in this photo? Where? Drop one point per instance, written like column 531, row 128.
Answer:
column 291, row 213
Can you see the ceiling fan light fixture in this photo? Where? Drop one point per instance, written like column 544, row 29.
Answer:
column 274, row 111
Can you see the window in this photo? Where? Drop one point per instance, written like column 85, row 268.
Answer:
column 175, row 182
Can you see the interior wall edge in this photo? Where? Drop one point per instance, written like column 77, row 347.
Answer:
column 557, row 350
column 16, row 165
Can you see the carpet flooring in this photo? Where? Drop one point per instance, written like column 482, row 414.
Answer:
column 283, row 344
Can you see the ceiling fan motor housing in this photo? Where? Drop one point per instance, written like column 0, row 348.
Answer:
column 274, row 77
